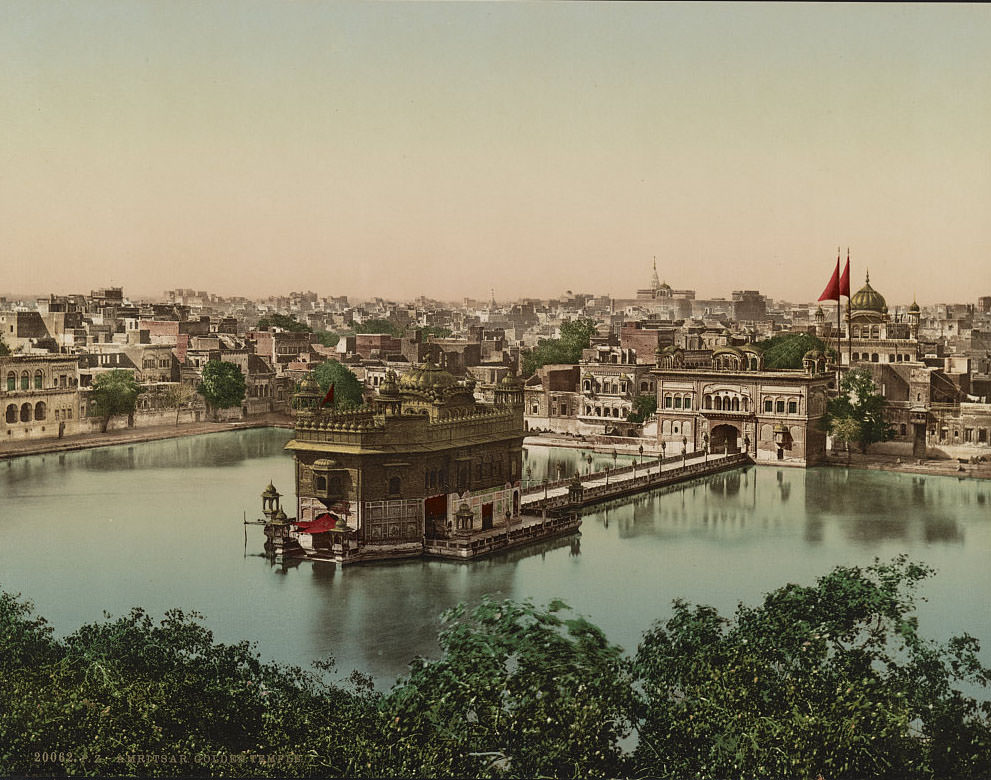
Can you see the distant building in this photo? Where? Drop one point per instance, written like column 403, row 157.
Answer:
column 39, row 396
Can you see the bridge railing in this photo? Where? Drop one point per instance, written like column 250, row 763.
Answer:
column 645, row 481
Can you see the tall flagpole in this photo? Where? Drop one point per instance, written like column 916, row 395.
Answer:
column 849, row 313
column 839, row 331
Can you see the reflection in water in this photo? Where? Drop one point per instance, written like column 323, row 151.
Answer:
column 900, row 506
column 158, row 525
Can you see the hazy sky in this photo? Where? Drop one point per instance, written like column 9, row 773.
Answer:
column 442, row 149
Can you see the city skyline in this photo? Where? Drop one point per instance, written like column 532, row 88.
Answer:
column 398, row 150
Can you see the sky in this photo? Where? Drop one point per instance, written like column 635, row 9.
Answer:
column 450, row 149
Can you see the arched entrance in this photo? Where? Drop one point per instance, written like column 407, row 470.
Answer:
column 724, row 438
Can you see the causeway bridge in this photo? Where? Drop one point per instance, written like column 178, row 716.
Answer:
column 587, row 489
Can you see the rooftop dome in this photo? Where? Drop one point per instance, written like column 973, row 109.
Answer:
column 868, row 299
column 309, row 385
column 510, row 382
column 426, row 376
column 914, row 307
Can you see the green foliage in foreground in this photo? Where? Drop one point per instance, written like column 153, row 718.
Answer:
column 831, row 680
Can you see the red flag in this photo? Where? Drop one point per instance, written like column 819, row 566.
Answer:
column 832, row 291
column 845, row 278
column 329, row 398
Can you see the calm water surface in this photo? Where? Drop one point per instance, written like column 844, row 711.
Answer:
column 159, row 525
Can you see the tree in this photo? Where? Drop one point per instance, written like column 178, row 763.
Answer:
column 857, row 406
column 518, row 692
column 786, row 350
column 845, row 430
column 831, row 680
column 643, row 407
column 575, row 336
column 435, row 331
column 223, row 384
column 348, row 391
column 283, row 321
column 327, row 338
column 115, row 392
column 179, row 396
column 378, row 326
column 101, row 699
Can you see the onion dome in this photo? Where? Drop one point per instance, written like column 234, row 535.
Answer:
column 390, row 386
column 426, row 376
column 914, row 308
column 510, row 382
column 309, row 385
column 868, row 299
column 270, row 492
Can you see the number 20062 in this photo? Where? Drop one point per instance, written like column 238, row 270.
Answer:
column 52, row 758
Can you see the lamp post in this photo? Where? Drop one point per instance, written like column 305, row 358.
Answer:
column 589, row 459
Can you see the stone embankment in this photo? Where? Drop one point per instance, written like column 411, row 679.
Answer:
column 943, row 467
column 85, row 441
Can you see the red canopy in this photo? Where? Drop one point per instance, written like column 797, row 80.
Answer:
column 321, row 524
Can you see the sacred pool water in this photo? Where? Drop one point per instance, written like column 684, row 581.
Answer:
column 160, row 525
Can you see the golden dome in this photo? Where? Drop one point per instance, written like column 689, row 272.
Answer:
column 309, row 385
column 868, row 299
column 426, row 376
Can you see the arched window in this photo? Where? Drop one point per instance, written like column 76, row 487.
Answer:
column 855, row 356
column 904, row 429
column 874, row 358
column 320, row 483
column 707, row 401
column 736, row 404
column 643, row 387
column 587, row 385
column 855, row 331
column 11, row 413
column 11, row 381
column 39, row 380
column 25, row 381
column 26, row 412
column 718, row 403
column 396, row 484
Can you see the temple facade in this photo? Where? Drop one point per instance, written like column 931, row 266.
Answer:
column 734, row 405
column 422, row 463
